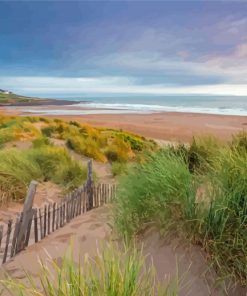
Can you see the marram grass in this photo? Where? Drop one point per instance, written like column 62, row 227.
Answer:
column 112, row 272
column 46, row 163
column 202, row 198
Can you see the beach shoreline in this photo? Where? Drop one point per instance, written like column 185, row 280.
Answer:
column 170, row 126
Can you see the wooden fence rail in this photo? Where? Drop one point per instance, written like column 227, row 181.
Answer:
column 33, row 225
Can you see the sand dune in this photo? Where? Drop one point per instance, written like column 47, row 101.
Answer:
column 87, row 233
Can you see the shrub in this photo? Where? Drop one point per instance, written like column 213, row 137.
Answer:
column 75, row 123
column 119, row 151
column 56, row 120
column 135, row 142
column 43, row 119
column 60, row 129
column 41, row 141
column 112, row 155
column 48, row 131
column 86, row 147
column 91, row 132
column 31, row 119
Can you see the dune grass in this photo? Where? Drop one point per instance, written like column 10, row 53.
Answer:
column 158, row 190
column 87, row 147
column 112, row 272
column 97, row 143
column 225, row 222
column 203, row 198
column 119, row 168
column 46, row 163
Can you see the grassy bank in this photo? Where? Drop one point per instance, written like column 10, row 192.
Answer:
column 47, row 163
column 199, row 192
column 12, row 98
column 98, row 143
column 40, row 148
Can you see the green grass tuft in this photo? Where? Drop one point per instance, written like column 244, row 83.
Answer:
column 119, row 168
column 112, row 272
column 198, row 191
column 160, row 190
column 46, row 163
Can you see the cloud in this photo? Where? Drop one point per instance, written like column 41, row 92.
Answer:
column 111, row 85
column 234, row 25
column 231, row 68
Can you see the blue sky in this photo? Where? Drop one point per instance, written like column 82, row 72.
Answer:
column 109, row 48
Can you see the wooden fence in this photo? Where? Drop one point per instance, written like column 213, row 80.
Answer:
column 32, row 224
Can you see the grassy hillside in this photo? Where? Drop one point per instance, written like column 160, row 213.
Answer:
column 39, row 148
column 198, row 193
column 13, row 98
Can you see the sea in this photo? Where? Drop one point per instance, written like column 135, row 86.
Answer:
column 219, row 105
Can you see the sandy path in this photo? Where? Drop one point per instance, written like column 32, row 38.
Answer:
column 103, row 170
column 89, row 230
column 47, row 192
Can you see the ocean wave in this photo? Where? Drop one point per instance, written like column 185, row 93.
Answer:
column 106, row 108
column 161, row 108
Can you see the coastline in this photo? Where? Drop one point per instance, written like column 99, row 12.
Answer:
column 39, row 102
column 169, row 126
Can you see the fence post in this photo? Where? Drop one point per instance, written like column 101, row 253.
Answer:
column 27, row 217
column 1, row 235
column 90, row 184
column 7, row 241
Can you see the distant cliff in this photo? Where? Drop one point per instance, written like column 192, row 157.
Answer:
column 8, row 98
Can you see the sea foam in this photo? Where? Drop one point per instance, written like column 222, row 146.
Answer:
column 115, row 108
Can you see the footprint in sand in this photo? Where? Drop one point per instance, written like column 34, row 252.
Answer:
column 77, row 225
column 83, row 238
column 65, row 237
column 94, row 226
column 89, row 221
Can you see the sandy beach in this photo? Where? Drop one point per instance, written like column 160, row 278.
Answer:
column 170, row 126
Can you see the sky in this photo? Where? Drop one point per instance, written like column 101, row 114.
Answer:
column 54, row 48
